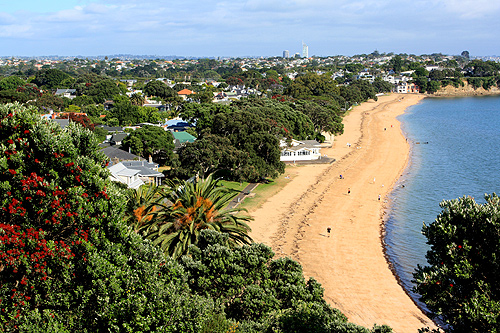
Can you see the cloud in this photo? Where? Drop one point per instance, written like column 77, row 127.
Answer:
column 259, row 27
column 473, row 9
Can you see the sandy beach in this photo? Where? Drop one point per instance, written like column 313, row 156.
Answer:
column 350, row 262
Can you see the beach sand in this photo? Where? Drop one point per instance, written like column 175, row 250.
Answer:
column 349, row 263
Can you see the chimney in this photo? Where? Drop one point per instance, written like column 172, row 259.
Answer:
column 150, row 159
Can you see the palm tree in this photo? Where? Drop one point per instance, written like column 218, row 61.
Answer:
column 189, row 207
column 141, row 204
column 137, row 99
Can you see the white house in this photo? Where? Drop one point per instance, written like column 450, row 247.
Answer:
column 136, row 173
column 120, row 173
column 305, row 150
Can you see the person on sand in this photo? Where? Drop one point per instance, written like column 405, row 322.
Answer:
column 379, row 197
column 349, row 190
column 328, row 230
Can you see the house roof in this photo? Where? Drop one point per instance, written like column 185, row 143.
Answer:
column 145, row 168
column 63, row 91
column 62, row 122
column 118, row 137
column 183, row 137
column 121, row 170
column 115, row 152
column 185, row 92
column 110, row 128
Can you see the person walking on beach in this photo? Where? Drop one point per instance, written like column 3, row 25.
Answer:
column 349, row 190
column 328, row 230
column 379, row 197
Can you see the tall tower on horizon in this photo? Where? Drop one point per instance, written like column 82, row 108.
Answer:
column 305, row 50
column 286, row 54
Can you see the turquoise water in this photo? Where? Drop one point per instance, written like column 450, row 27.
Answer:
column 462, row 157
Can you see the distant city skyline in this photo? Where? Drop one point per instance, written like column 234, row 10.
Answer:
column 248, row 28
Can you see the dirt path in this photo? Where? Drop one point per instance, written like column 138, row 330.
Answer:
column 350, row 264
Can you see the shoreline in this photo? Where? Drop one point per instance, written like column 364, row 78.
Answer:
column 352, row 265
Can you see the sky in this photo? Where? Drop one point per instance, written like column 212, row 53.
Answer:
column 207, row 28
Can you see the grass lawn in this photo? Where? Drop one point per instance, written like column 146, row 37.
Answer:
column 233, row 185
column 263, row 191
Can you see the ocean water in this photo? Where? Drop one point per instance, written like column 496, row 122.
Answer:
column 455, row 152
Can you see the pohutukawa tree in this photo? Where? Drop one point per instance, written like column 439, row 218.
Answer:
column 461, row 283
column 67, row 261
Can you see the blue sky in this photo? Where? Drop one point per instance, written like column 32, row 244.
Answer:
column 248, row 28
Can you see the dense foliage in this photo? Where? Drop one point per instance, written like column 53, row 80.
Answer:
column 151, row 141
column 461, row 284
column 262, row 294
column 67, row 263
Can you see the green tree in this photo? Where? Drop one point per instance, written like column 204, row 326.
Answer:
column 461, row 283
column 188, row 207
column 433, row 86
column 159, row 89
column 262, row 294
column 213, row 154
column 397, row 63
column 151, row 141
column 137, row 99
column 11, row 82
column 312, row 84
column 51, row 79
column 127, row 113
column 254, row 135
column 47, row 102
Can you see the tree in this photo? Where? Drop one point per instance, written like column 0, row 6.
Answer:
column 312, row 84
column 137, row 99
column 68, row 262
column 127, row 113
column 254, row 135
column 461, row 283
column 51, row 79
column 211, row 154
column 140, row 205
column 11, row 82
column 433, row 86
column 48, row 102
column 324, row 118
column 159, row 89
column 151, row 141
column 188, row 207
column 397, row 63
column 465, row 54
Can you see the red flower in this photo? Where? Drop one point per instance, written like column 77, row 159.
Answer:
column 460, row 246
column 26, row 131
column 451, row 285
column 12, row 172
column 10, row 141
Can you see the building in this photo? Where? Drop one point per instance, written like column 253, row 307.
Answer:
column 305, row 150
column 286, row 54
column 407, row 88
column 305, row 50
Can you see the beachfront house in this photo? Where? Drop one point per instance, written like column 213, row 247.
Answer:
column 305, row 150
column 407, row 88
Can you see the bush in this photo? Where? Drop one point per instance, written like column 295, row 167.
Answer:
column 67, row 261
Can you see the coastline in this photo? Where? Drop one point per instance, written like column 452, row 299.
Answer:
column 351, row 265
